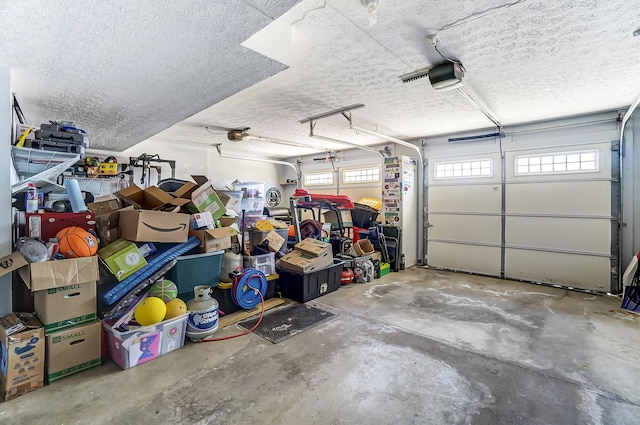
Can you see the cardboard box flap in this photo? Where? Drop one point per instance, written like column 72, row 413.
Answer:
column 131, row 195
column 314, row 247
column 185, row 190
column 53, row 274
column 205, row 198
column 14, row 323
column 11, row 262
column 105, row 207
column 200, row 180
column 221, row 232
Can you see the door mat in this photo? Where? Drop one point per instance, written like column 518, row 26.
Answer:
column 287, row 322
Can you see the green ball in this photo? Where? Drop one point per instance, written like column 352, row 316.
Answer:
column 165, row 290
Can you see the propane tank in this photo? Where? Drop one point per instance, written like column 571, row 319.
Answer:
column 203, row 314
column 231, row 262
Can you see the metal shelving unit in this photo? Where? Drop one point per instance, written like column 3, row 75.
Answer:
column 35, row 165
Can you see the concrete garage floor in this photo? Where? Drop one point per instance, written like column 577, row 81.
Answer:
column 415, row 347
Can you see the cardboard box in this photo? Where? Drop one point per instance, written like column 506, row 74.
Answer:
column 59, row 273
column 138, row 346
column 21, row 354
column 214, row 239
column 150, row 198
column 66, row 307
column 205, row 198
column 201, row 221
column 315, row 248
column 301, row 262
column 73, row 351
column 154, row 226
column 11, row 262
column 275, row 241
column 123, row 258
column 363, row 247
column 108, row 219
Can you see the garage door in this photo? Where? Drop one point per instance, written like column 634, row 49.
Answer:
column 558, row 227
column 553, row 224
column 464, row 198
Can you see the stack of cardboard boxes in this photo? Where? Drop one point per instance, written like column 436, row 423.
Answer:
column 64, row 296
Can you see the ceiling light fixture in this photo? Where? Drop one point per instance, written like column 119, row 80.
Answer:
column 372, row 13
column 389, row 138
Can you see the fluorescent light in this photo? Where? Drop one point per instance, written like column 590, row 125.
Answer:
column 389, row 138
column 355, row 145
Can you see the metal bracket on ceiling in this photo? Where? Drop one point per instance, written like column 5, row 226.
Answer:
column 343, row 111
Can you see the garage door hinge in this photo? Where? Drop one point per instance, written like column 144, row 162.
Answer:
column 615, row 146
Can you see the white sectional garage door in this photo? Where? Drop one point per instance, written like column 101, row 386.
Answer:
column 464, row 200
column 552, row 224
column 558, row 216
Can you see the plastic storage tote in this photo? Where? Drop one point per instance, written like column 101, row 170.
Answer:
column 306, row 287
column 140, row 345
column 194, row 270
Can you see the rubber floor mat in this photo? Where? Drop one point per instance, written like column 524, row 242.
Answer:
column 287, row 322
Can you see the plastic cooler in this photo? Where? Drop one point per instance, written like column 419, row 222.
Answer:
column 306, row 287
column 194, row 270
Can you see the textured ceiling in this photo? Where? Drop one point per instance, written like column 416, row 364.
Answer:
column 125, row 71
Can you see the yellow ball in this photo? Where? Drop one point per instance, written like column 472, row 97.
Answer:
column 150, row 311
column 175, row 308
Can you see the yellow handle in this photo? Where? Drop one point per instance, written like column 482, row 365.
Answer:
column 23, row 137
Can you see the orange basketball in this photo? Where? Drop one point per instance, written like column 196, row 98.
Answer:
column 77, row 242
column 66, row 230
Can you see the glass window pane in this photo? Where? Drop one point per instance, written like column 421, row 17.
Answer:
column 573, row 158
column 573, row 166
column 562, row 166
column 588, row 156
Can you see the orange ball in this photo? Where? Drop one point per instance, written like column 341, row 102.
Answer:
column 76, row 242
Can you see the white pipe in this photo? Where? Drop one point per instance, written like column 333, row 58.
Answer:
column 623, row 124
column 355, row 145
column 419, row 173
column 270, row 161
column 278, row 141
column 389, row 138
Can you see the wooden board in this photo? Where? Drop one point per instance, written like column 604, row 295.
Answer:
column 232, row 318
